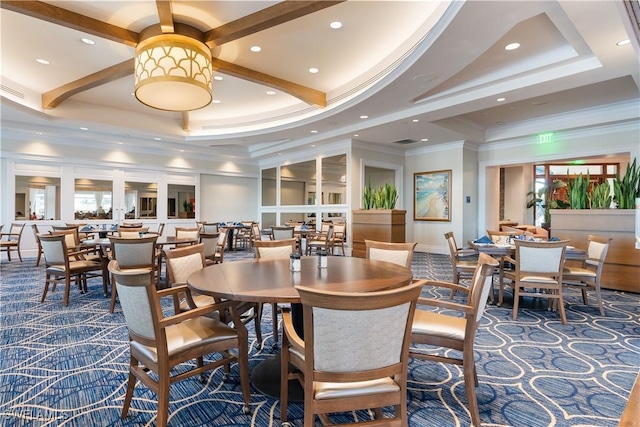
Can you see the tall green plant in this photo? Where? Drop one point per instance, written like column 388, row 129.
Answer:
column 600, row 197
column 626, row 190
column 543, row 199
column 368, row 197
column 578, row 191
column 383, row 198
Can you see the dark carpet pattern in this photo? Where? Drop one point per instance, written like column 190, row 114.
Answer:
column 68, row 366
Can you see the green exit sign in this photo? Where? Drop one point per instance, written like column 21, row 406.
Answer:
column 546, row 138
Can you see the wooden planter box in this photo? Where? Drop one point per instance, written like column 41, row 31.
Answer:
column 383, row 225
column 622, row 266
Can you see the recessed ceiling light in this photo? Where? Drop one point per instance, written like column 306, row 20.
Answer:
column 314, row 131
column 313, row 145
column 271, row 92
column 623, row 42
column 157, row 139
column 424, row 139
column 255, row 48
column 83, row 128
column 182, row 151
column 501, row 99
column 355, row 134
column 87, row 41
column 364, row 117
column 218, row 78
column 415, row 120
column 120, row 143
column 335, row 25
column 313, row 70
column 42, row 61
column 512, row 46
column 38, row 133
column 216, row 101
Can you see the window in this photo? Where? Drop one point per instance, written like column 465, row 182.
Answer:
column 93, row 199
column 37, row 198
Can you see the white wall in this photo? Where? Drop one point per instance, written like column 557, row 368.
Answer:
column 224, row 198
column 514, row 195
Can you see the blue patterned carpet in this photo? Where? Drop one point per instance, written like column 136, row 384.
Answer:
column 68, row 366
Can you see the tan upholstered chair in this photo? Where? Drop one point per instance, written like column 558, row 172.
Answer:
column 588, row 275
column 137, row 254
column 187, row 233
column 322, row 240
column 183, row 261
column 209, row 228
column 454, row 332
column 11, row 241
column 36, row 232
column 397, row 253
column 159, row 343
column 339, row 237
column 256, row 234
column 538, row 273
column 222, row 246
column 461, row 269
column 131, row 232
column 340, row 373
column 274, row 249
column 281, row 232
column 210, row 242
column 70, row 266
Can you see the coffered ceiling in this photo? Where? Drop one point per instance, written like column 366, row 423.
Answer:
column 418, row 72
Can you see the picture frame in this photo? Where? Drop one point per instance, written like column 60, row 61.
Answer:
column 432, row 196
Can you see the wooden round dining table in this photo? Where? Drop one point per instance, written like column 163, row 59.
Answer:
column 272, row 281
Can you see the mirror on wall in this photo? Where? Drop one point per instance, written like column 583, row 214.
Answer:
column 334, row 172
column 182, row 201
column 140, row 199
column 269, row 187
column 37, row 198
column 93, row 199
column 296, row 180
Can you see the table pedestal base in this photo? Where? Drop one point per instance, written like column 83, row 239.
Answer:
column 266, row 378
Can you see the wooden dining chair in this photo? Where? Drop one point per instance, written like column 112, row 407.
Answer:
column 447, row 331
column 155, row 351
column 181, row 263
column 354, row 354
column 36, row 232
column 462, row 269
column 274, row 249
column 138, row 254
column 63, row 264
column 210, row 242
column 397, row 253
column 588, row 275
column 11, row 241
column 538, row 273
column 281, row 232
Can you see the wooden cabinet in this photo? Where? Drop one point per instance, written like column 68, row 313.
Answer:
column 384, row 225
column 622, row 266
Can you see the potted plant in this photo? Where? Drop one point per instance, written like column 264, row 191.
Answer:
column 600, row 197
column 578, row 191
column 378, row 219
column 188, row 210
column 544, row 199
column 627, row 189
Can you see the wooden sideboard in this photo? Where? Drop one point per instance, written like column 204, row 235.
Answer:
column 622, row 266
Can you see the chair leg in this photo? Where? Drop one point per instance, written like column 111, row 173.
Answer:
column 67, row 290
column 563, row 316
column 470, row 386
column 46, row 287
column 284, row 378
column 516, row 300
column 19, row 254
column 258, row 324
column 599, row 297
column 274, row 317
column 114, row 294
column 163, row 399
column 131, row 383
column 39, row 256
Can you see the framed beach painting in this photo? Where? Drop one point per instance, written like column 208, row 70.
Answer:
column 432, row 196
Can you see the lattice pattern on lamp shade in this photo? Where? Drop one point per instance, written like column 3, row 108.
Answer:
column 173, row 72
